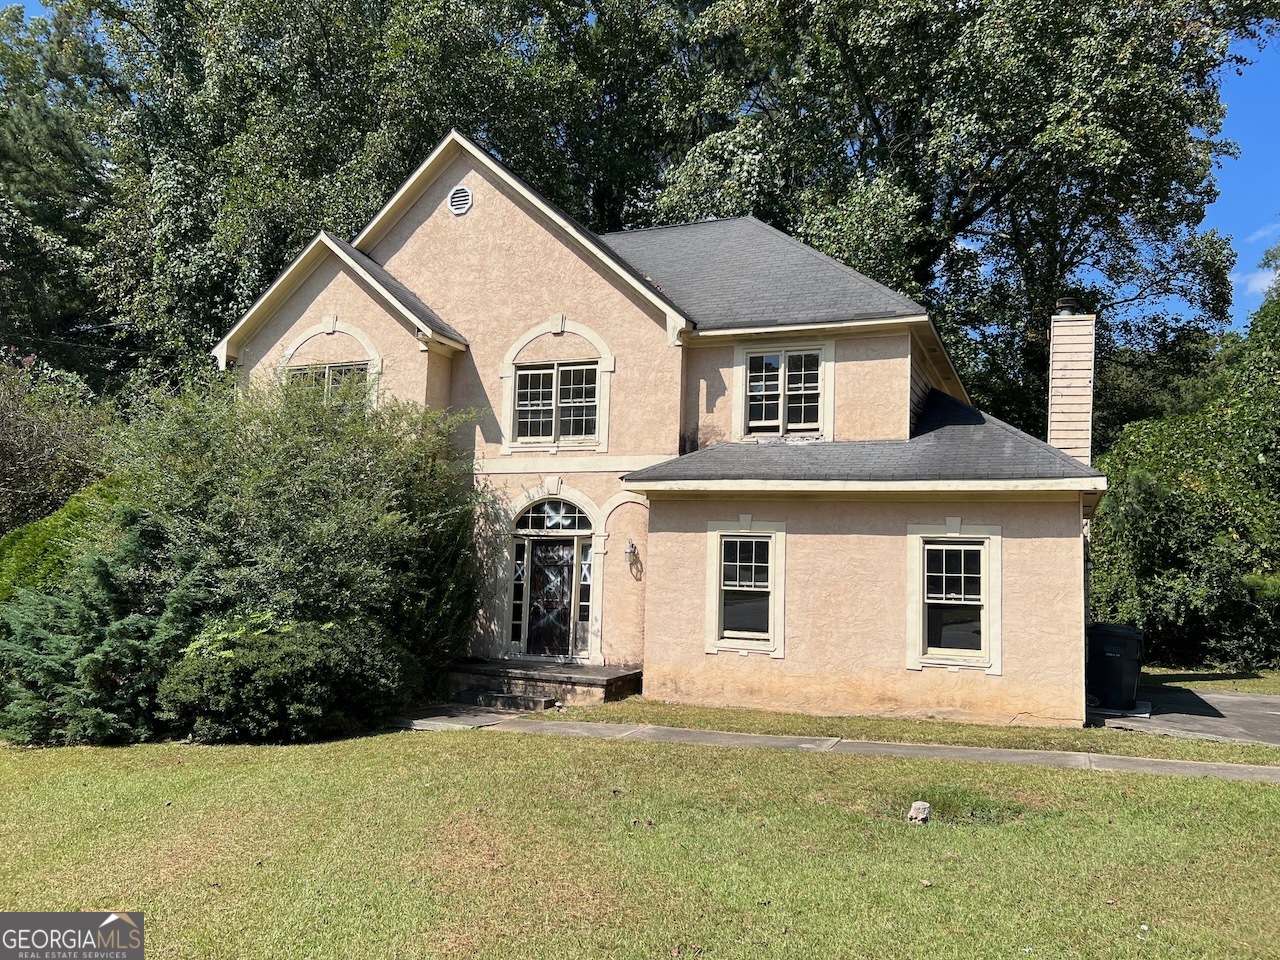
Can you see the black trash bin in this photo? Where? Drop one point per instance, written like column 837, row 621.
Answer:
column 1114, row 666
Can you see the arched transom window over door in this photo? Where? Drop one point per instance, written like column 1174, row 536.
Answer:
column 551, row 581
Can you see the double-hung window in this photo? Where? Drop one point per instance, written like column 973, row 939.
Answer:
column 556, row 402
column 784, row 392
column 955, row 598
column 746, row 587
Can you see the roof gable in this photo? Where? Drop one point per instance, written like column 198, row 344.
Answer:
column 399, row 299
column 456, row 144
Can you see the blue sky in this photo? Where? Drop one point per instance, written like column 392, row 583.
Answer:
column 1249, row 205
column 1248, row 208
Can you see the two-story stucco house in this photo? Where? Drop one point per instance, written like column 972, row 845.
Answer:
column 729, row 461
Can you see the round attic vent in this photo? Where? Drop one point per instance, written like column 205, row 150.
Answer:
column 459, row 200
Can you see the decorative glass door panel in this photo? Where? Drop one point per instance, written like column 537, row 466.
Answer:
column 551, row 579
column 551, row 601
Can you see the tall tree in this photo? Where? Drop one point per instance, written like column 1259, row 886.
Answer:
column 988, row 157
column 253, row 124
column 52, row 182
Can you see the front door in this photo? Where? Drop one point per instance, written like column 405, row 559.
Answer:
column 551, row 605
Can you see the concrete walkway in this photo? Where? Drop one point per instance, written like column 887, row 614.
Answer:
column 1035, row 758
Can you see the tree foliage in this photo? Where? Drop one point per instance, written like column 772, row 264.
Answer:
column 1187, row 540
column 51, row 438
column 986, row 157
column 348, row 528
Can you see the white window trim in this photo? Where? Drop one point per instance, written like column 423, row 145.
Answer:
column 555, row 488
column 328, row 326
column 716, row 642
column 989, row 659
column 826, row 350
column 556, row 324
column 555, row 367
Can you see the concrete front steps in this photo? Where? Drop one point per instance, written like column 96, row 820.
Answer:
column 527, row 685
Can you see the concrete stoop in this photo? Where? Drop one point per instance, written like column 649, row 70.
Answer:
column 533, row 685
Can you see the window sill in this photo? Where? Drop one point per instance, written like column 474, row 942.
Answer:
column 744, row 646
column 518, row 446
column 953, row 662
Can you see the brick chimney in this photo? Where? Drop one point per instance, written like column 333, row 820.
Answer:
column 1071, row 356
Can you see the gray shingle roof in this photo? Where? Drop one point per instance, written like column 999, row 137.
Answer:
column 398, row 291
column 952, row 441
column 724, row 274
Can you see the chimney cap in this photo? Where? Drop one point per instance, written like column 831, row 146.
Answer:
column 1066, row 306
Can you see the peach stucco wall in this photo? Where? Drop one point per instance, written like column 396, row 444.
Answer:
column 501, row 270
column 619, row 587
column 331, row 291
column 846, row 599
column 872, row 389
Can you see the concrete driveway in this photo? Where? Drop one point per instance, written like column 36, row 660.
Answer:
column 1217, row 715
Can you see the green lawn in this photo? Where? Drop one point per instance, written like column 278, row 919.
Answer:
column 1246, row 681
column 902, row 730
column 484, row 844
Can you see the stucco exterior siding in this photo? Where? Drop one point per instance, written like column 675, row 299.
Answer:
column 499, row 271
column 846, row 613
column 332, row 292
column 618, row 586
column 707, row 407
column 872, row 382
column 873, row 388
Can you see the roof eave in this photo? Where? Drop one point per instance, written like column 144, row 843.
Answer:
column 821, row 326
column 1028, row 485
column 285, row 283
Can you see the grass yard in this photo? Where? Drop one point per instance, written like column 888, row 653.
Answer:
column 903, row 730
column 484, row 844
column 1248, row 681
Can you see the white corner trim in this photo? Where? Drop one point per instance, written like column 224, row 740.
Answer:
column 916, row 658
column 715, row 641
column 557, row 323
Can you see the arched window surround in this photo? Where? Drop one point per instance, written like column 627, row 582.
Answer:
column 556, row 324
column 553, row 488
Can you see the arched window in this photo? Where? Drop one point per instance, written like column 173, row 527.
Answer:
column 551, row 581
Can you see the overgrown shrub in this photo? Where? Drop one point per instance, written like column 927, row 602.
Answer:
column 51, row 438
column 1186, row 544
column 82, row 661
column 251, row 678
column 228, row 504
